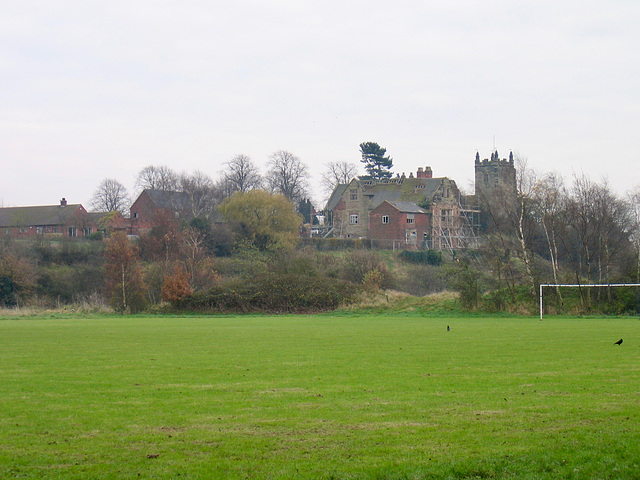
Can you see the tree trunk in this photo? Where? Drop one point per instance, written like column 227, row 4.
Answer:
column 124, row 293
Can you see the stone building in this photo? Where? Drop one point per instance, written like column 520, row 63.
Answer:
column 495, row 185
column 436, row 200
column 494, row 176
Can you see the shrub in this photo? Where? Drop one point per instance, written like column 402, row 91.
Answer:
column 421, row 280
column 465, row 280
column 428, row 257
column 358, row 264
column 372, row 280
column 64, row 283
column 16, row 280
column 176, row 286
column 272, row 292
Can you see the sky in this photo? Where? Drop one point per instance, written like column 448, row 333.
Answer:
column 92, row 90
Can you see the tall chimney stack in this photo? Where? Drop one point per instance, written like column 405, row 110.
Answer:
column 424, row 172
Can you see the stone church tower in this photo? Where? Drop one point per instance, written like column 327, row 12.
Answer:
column 496, row 188
column 495, row 177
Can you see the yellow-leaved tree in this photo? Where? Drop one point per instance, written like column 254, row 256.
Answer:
column 267, row 221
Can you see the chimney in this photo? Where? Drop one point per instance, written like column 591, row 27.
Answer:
column 424, row 172
column 63, row 202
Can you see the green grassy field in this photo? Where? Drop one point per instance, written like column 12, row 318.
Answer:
column 323, row 397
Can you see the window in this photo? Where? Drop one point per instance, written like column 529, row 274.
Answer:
column 39, row 230
column 353, row 194
column 86, row 231
column 353, row 219
column 73, row 231
column 410, row 217
column 385, row 219
column 135, row 214
column 447, row 215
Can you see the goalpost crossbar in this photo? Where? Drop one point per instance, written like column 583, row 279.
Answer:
column 588, row 285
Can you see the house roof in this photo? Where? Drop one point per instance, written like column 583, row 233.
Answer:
column 412, row 190
column 407, row 207
column 336, row 195
column 38, row 215
column 170, row 200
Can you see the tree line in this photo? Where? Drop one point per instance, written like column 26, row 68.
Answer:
column 286, row 174
column 553, row 231
column 546, row 230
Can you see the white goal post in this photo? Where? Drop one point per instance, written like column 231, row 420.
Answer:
column 581, row 286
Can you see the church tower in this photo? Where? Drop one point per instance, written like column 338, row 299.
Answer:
column 494, row 177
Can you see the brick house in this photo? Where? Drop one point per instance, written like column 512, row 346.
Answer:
column 350, row 206
column 396, row 224
column 63, row 220
column 153, row 207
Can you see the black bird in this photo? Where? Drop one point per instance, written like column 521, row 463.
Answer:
column 619, row 342
column 448, row 329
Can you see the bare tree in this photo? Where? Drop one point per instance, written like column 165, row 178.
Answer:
column 241, row 175
column 337, row 173
column 550, row 198
column 633, row 198
column 110, row 196
column 522, row 217
column 287, row 175
column 600, row 221
column 202, row 191
column 160, row 177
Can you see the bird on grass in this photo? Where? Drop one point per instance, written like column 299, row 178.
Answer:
column 619, row 342
column 448, row 329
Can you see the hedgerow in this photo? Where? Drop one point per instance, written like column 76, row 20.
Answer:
column 272, row 292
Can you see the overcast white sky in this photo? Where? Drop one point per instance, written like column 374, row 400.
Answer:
column 92, row 89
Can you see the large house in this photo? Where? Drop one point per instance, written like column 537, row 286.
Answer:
column 406, row 212
column 421, row 211
column 63, row 220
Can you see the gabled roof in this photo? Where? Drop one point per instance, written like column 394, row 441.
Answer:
column 336, row 195
column 39, row 215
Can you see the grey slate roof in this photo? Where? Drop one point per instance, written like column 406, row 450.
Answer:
column 336, row 195
column 38, row 216
column 408, row 207
column 170, row 200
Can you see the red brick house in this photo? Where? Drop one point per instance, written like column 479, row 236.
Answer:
column 64, row 220
column 154, row 207
column 399, row 224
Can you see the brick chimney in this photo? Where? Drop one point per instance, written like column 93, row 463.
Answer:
column 424, row 172
column 63, row 202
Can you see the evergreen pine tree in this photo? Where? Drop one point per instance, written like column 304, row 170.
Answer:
column 377, row 165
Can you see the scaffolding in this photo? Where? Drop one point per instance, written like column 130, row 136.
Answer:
column 455, row 227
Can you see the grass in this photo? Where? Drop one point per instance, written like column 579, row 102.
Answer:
column 345, row 397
